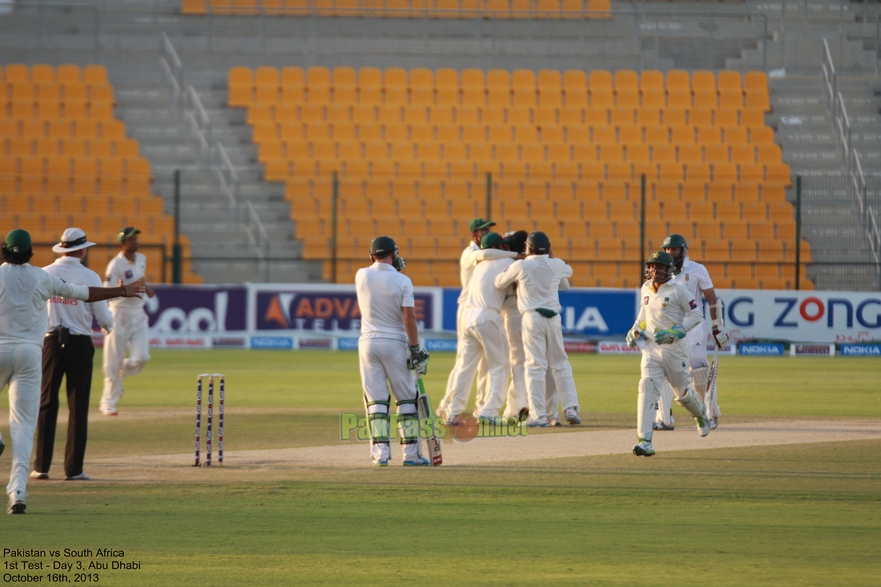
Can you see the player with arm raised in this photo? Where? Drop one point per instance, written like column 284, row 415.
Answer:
column 24, row 291
column 539, row 278
column 389, row 352
column 667, row 312
column 695, row 277
column 467, row 263
column 483, row 335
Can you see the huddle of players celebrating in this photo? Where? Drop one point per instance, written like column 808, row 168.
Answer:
column 510, row 337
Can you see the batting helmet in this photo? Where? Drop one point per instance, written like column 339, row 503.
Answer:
column 662, row 258
column 382, row 244
column 676, row 241
column 539, row 243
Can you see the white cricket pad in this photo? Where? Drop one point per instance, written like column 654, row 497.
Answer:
column 700, row 376
column 692, row 403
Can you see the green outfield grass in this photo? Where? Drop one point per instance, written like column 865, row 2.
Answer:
column 783, row 515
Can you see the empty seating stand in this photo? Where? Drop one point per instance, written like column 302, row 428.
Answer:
column 66, row 161
column 565, row 152
column 502, row 9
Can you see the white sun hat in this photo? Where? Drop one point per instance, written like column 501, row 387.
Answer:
column 72, row 240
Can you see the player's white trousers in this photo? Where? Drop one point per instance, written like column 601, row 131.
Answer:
column 384, row 366
column 21, row 368
column 129, row 331
column 662, row 362
column 696, row 344
column 543, row 346
column 486, row 339
column 517, row 398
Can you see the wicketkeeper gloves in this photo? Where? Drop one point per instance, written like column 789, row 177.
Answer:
column 670, row 335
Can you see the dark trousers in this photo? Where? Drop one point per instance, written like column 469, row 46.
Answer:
column 74, row 360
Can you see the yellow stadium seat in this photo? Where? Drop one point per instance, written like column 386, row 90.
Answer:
column 647, row 116
column 758, row 100
column 441, row 115
column 679, row 98
column 551, row 133
column 672, row 116
column 544, row 115
column 690, row 154
column 700, row 117
column 768, row 154
column 726, row 117
column 743, row 154
column 467, row 115
column 601, row 97
column 662, row 153
column 709, row 135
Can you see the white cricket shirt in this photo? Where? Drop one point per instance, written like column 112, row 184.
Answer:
column 672, row 304
column 694, row 277
column 539, row 279
column 24, row 290
column 482, row 291
column 382, row 292
column 121, row 268
column 71, row 313
column 467, row 264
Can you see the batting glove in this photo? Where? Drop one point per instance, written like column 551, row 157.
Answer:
column 721, row 338
column 418, row 359
column 399, row 263
column 670, row 335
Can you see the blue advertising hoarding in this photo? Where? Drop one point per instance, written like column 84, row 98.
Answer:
column 586, row 312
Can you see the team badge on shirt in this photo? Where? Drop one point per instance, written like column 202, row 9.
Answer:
column 128, row 274
column 687, row 277
column 645, row 301
column 692, row 304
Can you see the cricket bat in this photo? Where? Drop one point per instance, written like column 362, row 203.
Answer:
column 432, row 442
column 711, row 383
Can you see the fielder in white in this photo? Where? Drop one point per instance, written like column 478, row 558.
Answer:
column 471, row 256
column 695, row 277
column 539, row 278
column 388, row 328
column 667, row 312
column 482, row 335
column 129, row 321
column 24, row 291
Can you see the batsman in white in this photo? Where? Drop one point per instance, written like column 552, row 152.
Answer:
column 667, row 312
column 24, row 290
column 129, row 321
column 695, row 277
column 389, row 351
column 539, row 278
column 482, row 335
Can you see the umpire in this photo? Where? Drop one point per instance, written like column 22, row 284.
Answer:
column 68, row 351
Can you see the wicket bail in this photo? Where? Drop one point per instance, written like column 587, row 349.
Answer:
column 208, row 431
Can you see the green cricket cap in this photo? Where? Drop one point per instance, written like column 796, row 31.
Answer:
column 479, row 223
column 127, row 232
column 18, row 241
column 492, row 239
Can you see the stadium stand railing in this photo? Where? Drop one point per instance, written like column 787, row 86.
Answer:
column 421, row 153
column 65, row 160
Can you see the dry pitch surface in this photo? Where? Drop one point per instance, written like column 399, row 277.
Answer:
column 483, row 451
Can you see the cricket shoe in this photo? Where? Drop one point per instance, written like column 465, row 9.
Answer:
column 380, row 462
column 572, row 416
column 644, row 449
column 554, row 422
column 16, row 503
column 417, row 462
column 662, row 426
column 714, row 423
column 542, row 422
column 703, row 425
column 38, row 475
column 109, row 412
column 81, row 477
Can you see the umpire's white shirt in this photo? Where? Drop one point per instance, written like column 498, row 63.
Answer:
column 73, row 314
column 540, row 278
column 121, row 268
column 24, row 290
column 382, row 292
